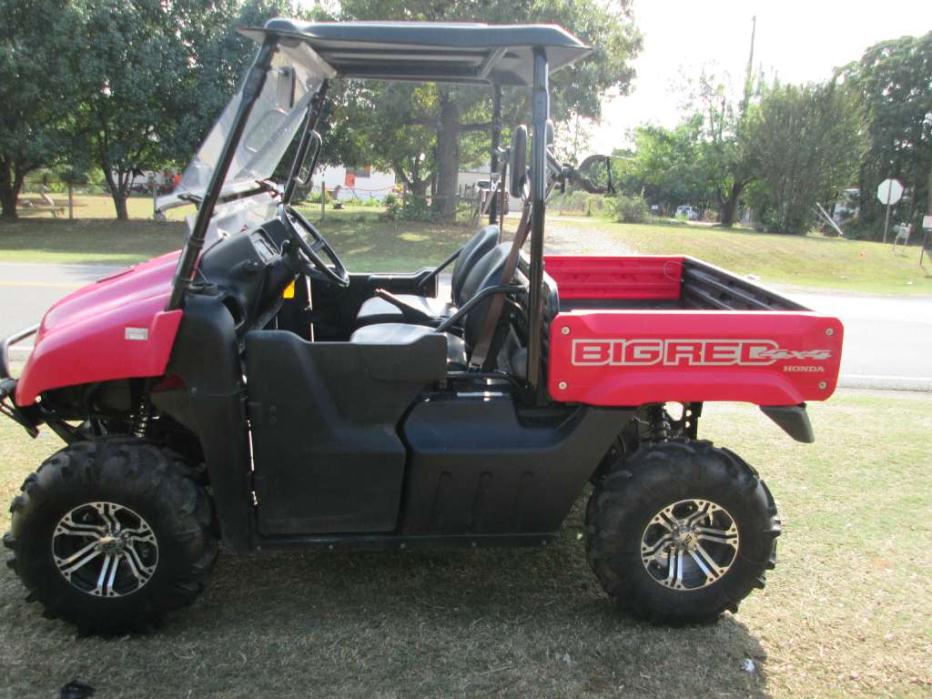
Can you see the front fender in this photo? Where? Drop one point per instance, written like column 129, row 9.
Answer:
column 116, row 328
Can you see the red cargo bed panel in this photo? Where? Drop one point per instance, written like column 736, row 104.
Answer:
column 635, row 277
column 632, row 357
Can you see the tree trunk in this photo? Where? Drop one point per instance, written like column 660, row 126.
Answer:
column 10, row 185
column 728, row 205
column 448, row 156
column 419, row 188
column 119, row 202
column 117, row 189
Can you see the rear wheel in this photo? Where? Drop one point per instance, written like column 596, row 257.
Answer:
column 111, row 534
column 681, row 531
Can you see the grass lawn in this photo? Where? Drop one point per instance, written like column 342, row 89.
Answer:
column 803, row 261
column 362, row 238
column 369, row 243
column 847, row 610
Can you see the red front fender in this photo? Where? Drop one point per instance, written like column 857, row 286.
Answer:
column 116, row 328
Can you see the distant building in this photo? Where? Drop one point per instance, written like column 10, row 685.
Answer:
column 356, row 183
column 469, row 179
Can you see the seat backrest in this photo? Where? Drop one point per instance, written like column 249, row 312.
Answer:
column 487, row 272
column 475, row 248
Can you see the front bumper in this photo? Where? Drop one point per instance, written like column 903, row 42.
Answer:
column 8, row 342
column 8, row 405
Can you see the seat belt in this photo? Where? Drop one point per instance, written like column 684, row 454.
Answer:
column 480, row 352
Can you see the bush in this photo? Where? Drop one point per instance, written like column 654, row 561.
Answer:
column 410, row 208
column 314, row 197
column 630, row 209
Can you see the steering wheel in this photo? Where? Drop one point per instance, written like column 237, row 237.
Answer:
column 307, row 255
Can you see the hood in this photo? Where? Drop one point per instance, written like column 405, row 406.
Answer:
column 115, row 328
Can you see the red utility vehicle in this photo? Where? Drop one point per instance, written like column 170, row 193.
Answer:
column 249, row 390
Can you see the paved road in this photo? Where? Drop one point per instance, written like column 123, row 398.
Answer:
column 888, row 340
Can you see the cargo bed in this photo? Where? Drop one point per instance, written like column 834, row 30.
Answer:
column 644, row 329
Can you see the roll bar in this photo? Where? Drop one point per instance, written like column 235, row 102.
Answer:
column 252, row 88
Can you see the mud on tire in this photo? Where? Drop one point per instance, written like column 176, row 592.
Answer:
column 150, row 496
column 667, row 498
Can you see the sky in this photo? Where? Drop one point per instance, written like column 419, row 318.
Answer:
column 801, row 41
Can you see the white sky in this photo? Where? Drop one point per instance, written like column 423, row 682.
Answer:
column 802, row 40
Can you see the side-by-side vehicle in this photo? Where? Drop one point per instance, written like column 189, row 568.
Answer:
column 251, row 390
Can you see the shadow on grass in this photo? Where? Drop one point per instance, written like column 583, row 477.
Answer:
column 521, row 622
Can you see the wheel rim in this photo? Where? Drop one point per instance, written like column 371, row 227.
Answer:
column 105, row 549
column 689, row 545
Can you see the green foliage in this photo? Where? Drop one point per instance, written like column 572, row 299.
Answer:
column 892, row 79
column 630, row 209
column 430, row 130
column 38, row 90
column 704, row 161
column 408, row 208
column 581, row 202
column 807, row 142
column 668, row 166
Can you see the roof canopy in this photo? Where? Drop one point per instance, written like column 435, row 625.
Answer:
column 430, row 51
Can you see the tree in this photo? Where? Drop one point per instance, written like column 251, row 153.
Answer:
column 217, row 58
column 133, row 65
column 156, row 75
column 459, row 111
column 668, row 167
column 893, row 81
column 38, row 57
column 724, row 156
column 805, row 144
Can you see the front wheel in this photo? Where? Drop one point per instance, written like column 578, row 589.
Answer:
column 679, row 532
column 112, row 533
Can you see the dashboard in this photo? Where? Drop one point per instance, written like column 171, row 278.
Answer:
column 249, row 272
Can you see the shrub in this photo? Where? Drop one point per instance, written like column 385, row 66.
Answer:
column 630, row 209
column 410, row 208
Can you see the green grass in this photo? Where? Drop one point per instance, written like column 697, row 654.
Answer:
column 369, row 243
column 804, row 261
column 847, row 610
column 360, row 236
column 87, row 241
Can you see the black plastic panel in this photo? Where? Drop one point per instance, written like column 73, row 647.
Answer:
column 205, row 355
column 324, row 418
column 476, row 467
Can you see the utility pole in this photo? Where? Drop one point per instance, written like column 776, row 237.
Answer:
column 748, row 79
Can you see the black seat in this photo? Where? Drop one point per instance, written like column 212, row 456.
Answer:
column 434, row 310
column 485, row 274
column 403, row 334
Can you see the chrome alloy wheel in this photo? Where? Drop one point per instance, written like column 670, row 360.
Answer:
column 689, row 545
column 105, row 549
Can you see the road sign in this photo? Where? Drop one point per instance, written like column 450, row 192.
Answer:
column 889, row 192
column 927, row 222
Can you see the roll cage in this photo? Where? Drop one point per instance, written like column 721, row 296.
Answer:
column 459, row 53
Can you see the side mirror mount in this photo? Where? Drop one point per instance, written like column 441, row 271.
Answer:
column 517, row 165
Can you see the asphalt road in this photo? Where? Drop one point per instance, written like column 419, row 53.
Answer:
column 888, row 340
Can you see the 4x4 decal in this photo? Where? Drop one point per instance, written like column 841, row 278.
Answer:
column 686, row 352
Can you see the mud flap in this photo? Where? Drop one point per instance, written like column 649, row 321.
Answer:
column 792, row 419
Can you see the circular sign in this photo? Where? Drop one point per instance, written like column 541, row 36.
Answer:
column 889, row 191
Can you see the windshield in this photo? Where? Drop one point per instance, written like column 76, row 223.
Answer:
column 277, row 115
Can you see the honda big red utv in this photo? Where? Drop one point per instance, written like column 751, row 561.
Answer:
column 250, row 390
